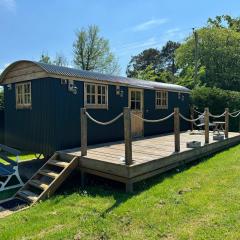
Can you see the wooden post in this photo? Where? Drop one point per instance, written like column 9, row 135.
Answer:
column 83, row 132
column 127, row 135
column 192, row 116
column 226, row 122
column 176, row 130
column 206, row 123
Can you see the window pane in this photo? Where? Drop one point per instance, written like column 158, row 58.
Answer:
column 99, row 99
column 99, row 89
column 103, row 90
column 88, row 99
column 138, row 106
column 92, row 89
column 132, row 105
column 92, row 99
column 132, row 95
column 138, row 96
column 88, row 88
column 104, row 100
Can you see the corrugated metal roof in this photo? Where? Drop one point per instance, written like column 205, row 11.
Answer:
column 83, row 74
column 71, row 72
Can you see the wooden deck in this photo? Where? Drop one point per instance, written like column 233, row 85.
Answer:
column 151, row 155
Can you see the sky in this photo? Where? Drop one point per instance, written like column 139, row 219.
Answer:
column 29, row 28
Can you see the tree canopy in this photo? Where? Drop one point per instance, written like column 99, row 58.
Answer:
column 225, row 21
column 60, row 59
column 154, row 64
column 218, row 58
column 92, row 52
column 144, row 59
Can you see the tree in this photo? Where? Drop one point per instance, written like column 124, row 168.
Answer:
column 60, row 60
column 225, row 21
column 218, row 58
column 160, row 61
column 141, row 61
column 92, row 52
column 45, row 58
column 148, row 74
column 168, row 56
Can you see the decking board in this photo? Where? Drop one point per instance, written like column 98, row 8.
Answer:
column 151, row 155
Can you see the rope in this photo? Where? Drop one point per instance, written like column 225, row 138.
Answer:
column 232, row 115
column 104, row 123
column 190, row 120
column 198, row 112
column 234, row 112
column 217, row 116
column 155, row 120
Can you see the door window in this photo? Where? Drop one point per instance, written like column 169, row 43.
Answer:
column 136, row 100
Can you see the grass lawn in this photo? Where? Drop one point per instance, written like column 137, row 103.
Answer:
column 197, row 202
column 22, row 157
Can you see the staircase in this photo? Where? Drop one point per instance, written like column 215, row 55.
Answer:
column 48, row 178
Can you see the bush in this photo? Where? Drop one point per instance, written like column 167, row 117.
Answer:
column 217, row 100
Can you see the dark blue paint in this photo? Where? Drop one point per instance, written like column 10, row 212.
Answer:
column 53, row 123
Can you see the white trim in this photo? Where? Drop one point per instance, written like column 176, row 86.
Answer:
column 141, row 100
column 161, row 99
column 96, row 104
column 23, row 105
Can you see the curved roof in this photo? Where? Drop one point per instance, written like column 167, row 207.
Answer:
column 83, row 74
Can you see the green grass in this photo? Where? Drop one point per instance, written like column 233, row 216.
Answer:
column 24, row 156
column 198, row 202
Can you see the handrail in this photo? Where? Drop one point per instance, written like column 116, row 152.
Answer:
column 190, row 120
column 232, row 114
column 198, row 112
column 235, row 112
column 154, row 120
column 217, row 116
column 104, row 123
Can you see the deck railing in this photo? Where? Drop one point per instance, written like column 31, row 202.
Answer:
column 128, row 131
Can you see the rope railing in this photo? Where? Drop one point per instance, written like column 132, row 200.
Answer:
column 104, row 123
column 217, row 116
column 191, row 120
column 235, row 112
column 234, row 116
column 128, row 115
column 153, row 120
column 201, row 113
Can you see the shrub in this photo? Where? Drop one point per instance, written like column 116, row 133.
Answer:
column 217, row 100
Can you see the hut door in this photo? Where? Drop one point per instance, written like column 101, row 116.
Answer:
column 136, row 105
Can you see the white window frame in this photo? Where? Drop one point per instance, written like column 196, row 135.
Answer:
column 96, row 95
column 23, row 98
column 161, row 99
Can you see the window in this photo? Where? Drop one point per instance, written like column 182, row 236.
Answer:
column 96, row 95
column 161, row 99
column 23, row 95
column 135, row 100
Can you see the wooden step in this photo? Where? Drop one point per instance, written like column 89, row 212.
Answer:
column 38, row 184
column 28, row 195
column 58, row 163
column 48, row 173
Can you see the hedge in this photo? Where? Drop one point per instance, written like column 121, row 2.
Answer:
column 217, row 100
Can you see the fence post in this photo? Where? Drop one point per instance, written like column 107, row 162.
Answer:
column 226, row 122
column 192, row 116
column 83, row 132
column 206, row 123
column 176, row 130
column 127, row 135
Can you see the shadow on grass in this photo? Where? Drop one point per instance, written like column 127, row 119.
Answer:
column 98, row 186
